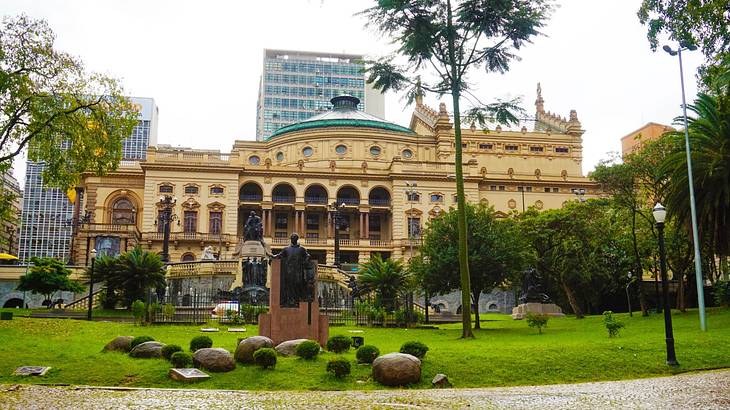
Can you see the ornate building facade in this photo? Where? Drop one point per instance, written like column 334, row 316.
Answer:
column 386, row 180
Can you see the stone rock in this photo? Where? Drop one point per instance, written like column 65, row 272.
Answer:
column 440, row 380
column 245, row 349
column 214, row 359
column 119, row 344
column 289, row 347
column 397, row 369
column 147, row 350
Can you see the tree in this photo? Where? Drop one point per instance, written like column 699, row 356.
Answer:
column 709, row 137
column 497, row 253
column 46, row 277
column 129, row 276
column 386, row 278
column 450, row 38
column 702, row 22
column 71, row 120
column 580, row 250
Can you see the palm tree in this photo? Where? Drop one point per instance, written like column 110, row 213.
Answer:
column 709, row 135
column 386, row 278
column 133, row 273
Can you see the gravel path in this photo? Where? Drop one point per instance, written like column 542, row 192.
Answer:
column 705, row 390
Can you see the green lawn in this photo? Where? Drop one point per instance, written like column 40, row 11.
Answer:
column 505, row 352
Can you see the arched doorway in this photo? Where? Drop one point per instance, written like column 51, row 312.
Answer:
column 250, row 192
column 283, row 193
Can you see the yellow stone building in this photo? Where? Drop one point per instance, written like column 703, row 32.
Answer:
column 343, row 156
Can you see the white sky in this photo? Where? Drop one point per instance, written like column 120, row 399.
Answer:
column 201, row 61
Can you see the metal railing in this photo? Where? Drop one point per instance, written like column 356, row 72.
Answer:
column 250, row 198
column 348, row 201
column 379, row 202
column 283, row 199
column 315, row 199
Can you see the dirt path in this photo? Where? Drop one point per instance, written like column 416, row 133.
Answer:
column 705, row 390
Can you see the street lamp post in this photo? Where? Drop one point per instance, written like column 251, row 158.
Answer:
column 659, row 215
column 695, row 237
column 337, row 221
column 91, row 284
column 628, row 296
column 167, row 203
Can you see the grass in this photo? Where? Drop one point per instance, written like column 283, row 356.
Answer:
column 505, row 352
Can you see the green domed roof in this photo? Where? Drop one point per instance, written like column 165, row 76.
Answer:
column 344, row 113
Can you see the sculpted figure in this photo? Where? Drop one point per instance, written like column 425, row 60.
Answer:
column 297, row 274
column 207, row 254
column 253, row 230
column 532, row 288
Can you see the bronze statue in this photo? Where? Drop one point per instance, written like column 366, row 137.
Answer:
column 253, row 229
column 532, row 288
column 297, row 274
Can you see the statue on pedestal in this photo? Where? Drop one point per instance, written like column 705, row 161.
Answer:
column 253, row 229
column 297, row 274
column 532, row 291
column 207, row 254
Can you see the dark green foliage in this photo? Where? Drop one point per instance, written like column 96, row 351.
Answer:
column 138, row 311
column 537, row 320
column 367, row 353
column 414, row 348
column 339, row 366
column 169, row 350
column 139, row 340
column 386, row 278
column 308, row 349
column 200, row 342
column 265, row 357
column 129, row 275
column 339, row 343
column 46, row 277
column 181, row 360
column 721, row 293
column 612, row 324
column 497, row 253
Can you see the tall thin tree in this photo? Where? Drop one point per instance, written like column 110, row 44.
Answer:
column 449, row 38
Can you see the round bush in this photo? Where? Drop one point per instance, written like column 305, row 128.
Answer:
column 308, row 349
column 339, row 366
column 200, row 342
column 339, row 343
column 367, row 353
column 139, row 340
column 181, row 360
column 265, row 357
column 168, row 350
column 417, row 349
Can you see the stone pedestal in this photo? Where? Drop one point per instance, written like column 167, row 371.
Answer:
column 282, row 324
column 249, row 249
column 550, row 309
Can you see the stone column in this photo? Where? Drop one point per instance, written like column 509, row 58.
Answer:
column 330, row 232
column 362, row 220
column 367, row 225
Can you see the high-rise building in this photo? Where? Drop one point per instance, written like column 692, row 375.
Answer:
column 9, row 226
column 296, row 85
column 47, row 214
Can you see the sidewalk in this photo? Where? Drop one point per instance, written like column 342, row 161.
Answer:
column 705, row 390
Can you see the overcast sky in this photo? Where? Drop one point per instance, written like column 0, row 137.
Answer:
column 201, row 61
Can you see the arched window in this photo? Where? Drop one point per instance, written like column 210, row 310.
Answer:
column 188, row 257
column 123, row 212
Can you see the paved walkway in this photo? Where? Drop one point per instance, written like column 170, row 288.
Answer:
column 705, row 390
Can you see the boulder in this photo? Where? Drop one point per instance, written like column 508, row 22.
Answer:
column 440, row 380
column 397, row 369
column 147, row 350
column 119, row 344
column 245, row 349
column 214, row 359
column 289, row 347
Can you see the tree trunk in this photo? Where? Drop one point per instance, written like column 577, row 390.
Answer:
column 572, row 300
column 639, row 268
column 680, row 294
column 461, row 211
column 476, row 293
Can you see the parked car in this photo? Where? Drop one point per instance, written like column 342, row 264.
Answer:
column 220, row 310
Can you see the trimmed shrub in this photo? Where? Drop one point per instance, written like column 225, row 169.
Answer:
column 200, row 342
column 308, row 349
column 139, row 340
column 612, row 324
column 339, row 366
column 168, row 350
column 181, row 360
column 339, row 343
column 138, row 310
column 367, row 353
column 414, row 348
column 537, row 320
column 265, row 357
column 721, row 293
